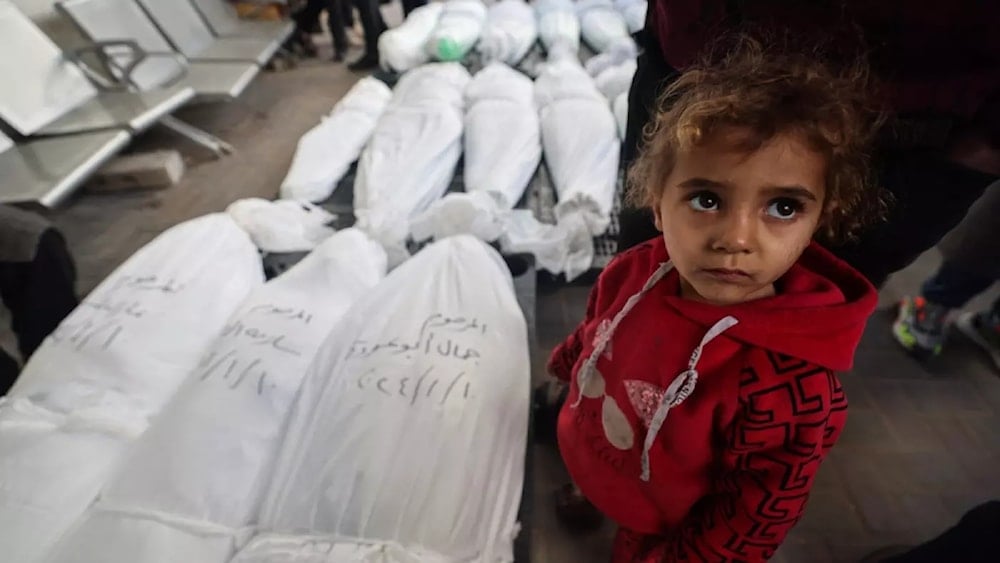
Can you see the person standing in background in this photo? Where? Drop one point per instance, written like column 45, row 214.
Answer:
column 940, row 68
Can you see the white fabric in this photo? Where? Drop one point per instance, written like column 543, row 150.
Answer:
column 620, row 108
column 6, row 142
column 580, row 140
column 510, row 32
column 51, row 467
column 193, row 482
column 634, row 12
column 458, row 29
column 403, row 48
column 411, row 158
column 558, row 25
column 600, row 24
column 616, row 80
column 617, row 53
column 478, row 214
column 326, row 151
column 411, row 425
column 566, row 248
column 282, row 225
column 90, row 389
column 502, row 135
column 273, row 548
column 138, row 334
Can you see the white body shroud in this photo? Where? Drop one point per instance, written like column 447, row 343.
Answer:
column 192, row 484
column 502, row 135
column 580, row 140
column 405, row 47
column 601, row 25
column 558, row 25
column 412, row 155
column 458, row 29
column 419, row 397
column 510, row 32
column 634, row 12
column 112, row 364
column 326, row 151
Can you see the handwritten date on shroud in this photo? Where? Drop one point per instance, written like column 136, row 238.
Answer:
column 431, row 386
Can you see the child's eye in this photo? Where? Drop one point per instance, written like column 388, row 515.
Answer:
column 704, row 201
column 784, row 208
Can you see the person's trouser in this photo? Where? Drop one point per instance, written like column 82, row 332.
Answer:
column 410, row 5
column 372, row 23
column 975, row 539
column 307, row 20
column 39, row 294
column 932, row 195
column 952, row 287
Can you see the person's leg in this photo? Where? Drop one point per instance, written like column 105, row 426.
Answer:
column 371, row 21
column 983, row 328
column 651, row 76
column 338, row 31
column 922, row 322
column 40, row 293
column 932, row 196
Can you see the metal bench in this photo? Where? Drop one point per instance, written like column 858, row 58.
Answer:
column 107, row 21
column 221, row 16
column 51, row 95
column 45, row 171
column 184, row 28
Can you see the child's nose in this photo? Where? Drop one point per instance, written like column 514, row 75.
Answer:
column 736, row 234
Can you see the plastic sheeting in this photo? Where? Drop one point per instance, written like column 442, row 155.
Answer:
column 502, row 134
column 405, row 47
column 326, row 151
column 283, row 225
column 192, row 484
column 600, row 24
column 418, row 397
column 634, row 12
column 558, row 25
column 90, row 389
column 458, row 29
column 411, row 158
column 510, row 32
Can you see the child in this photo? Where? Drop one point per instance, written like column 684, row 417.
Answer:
column 702, row 396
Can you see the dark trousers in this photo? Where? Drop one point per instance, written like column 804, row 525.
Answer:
column 975, row 539
column 307, row 20
column 372, row 24
column 39, row 295
column 932, row 194
column 410, row 5
column 953, row 287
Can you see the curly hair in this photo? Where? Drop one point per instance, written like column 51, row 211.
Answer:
column 771, row 90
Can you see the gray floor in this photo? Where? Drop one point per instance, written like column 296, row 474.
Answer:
column 921, row 447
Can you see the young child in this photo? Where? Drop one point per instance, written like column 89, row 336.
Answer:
column 702, row 391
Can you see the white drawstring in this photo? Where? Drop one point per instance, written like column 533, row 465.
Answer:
column 679, row 390
column 605, row 331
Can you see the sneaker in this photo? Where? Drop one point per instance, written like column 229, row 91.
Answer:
column 920, row 326
column 979, row 328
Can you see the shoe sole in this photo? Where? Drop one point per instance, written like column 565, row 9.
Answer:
column 964, row 325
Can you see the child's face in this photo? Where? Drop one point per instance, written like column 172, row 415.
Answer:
column 734, row 222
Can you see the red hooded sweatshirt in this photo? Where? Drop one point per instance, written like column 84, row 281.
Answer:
column 700, row 428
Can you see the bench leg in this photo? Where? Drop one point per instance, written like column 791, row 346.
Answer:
column 197, row 136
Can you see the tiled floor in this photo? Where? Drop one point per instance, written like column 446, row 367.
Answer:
column 921, row 447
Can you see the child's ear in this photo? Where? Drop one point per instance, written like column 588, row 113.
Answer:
column 658, row 218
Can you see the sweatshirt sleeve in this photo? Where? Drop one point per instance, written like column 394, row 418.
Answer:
column 789, row 415
column 565, row 355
